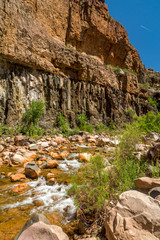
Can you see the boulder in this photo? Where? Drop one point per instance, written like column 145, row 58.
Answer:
column 38, row 203
column 64, row 154
column 147, row 183
column 135, row 217
column 34, row 219
column 50, row 175
column 17, row 159
column 17, row 177
column 20, row 187
column 41, row 231
column 32, row 170
column 51, row 163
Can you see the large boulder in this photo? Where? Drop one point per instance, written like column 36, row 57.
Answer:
column 41, row 231
column 154, row 153
column 147, row 183
column 135, row 217
column 39, row 228
column 34, row 219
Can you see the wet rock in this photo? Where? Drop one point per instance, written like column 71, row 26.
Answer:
column 20, row 187
column 34, row 147
column 51, row 164
column 76, row 138
column 31, row 140
column 51, row 182
column 41, row 231
column 103, row 141
column 54, row 155
column 53, row 143
column 1, row 148
column 154, row 192
column 64, row 154
column 17, row 159
column 146, row 183
column 44, row 144
column 85, row 157
column 34, row 219
column 17, row 177
column 50, row 175
column 21, row 141
column 38, row 203
column 31, row 170
column 136, row 216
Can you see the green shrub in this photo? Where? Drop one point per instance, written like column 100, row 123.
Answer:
column 153, row 102
column 82, row 123
column 31, row 117
column 101, row 128
column 5, row 130
column 63, row 124
column 148, row 123
column 90, row 185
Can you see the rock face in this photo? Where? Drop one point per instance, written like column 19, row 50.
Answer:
column 58, row 51
column 136, row 216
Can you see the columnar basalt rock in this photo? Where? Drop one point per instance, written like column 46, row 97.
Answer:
column 59, row 51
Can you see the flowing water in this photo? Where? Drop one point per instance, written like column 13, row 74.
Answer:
column 53, row 201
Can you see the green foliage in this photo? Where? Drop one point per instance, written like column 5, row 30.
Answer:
column 144, row 85
column 101, row 128
column 31, row 117
column 5, row 130
column 82, row 123
column 156, row 170
column 90, row 186
column 127, row 166
column 148, row 123
column 153, row 102
column 63, row 124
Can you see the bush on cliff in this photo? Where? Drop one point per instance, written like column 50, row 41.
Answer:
column 31, row 117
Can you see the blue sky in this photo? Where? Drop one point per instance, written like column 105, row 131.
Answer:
column 141, row 18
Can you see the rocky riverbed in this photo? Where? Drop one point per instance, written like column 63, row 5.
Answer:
column 35, row 177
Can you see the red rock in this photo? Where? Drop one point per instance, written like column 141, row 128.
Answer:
column 38, row 203
column 20, row 187
column 64, row 154
column 17, row 177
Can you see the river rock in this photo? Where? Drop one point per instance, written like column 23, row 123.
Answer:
column 20, row 187
column 147, row 183
column 34, row 219
column 50, row 175
column 1, row 148
column 63, row 154
column 85, row 157
column 17, row 159
column 51, row 163
column 21, row 141
column 41, row 231
column 38, row 203
column 17, row 177
column 76, row 138
column 34, row 147
column 135, row 217
column 31, row 170
column 51, row 182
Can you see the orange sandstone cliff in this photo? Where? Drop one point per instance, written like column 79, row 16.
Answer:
column 65, row 52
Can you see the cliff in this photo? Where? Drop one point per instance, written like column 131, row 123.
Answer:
column 60, row 51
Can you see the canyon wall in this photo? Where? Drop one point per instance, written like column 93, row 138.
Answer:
column 63, row 52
